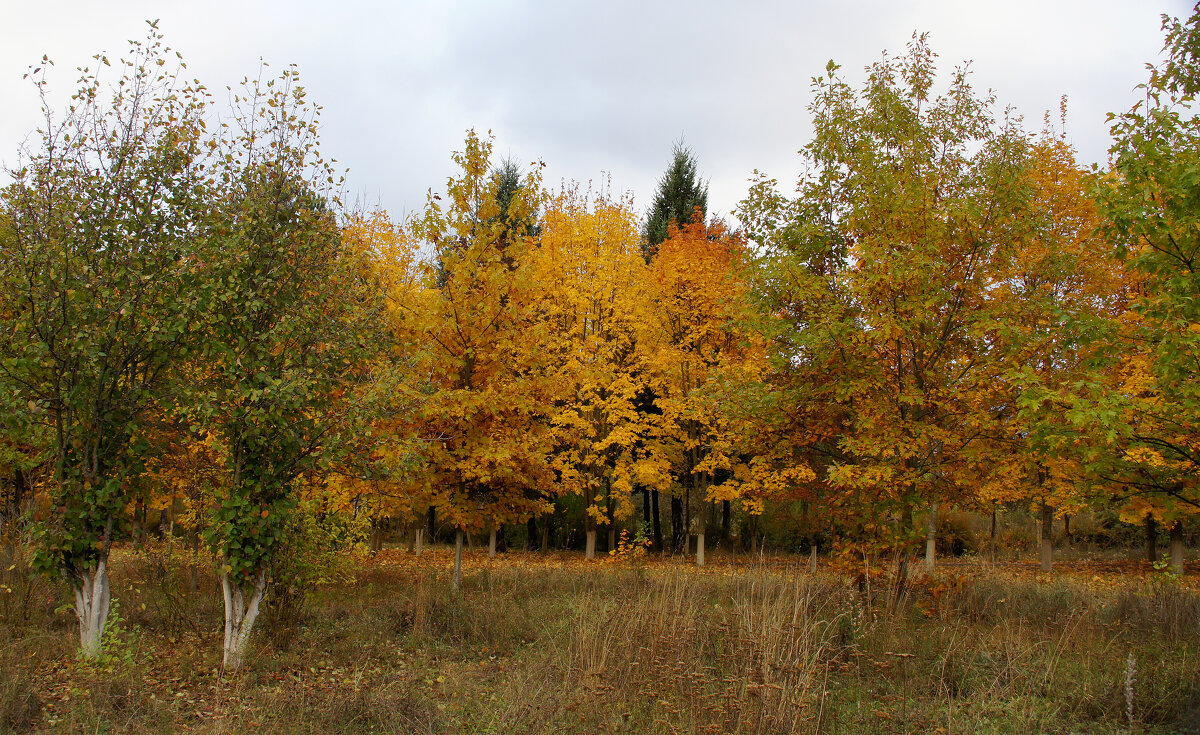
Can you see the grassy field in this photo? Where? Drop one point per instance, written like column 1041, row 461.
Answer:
column 537, row 643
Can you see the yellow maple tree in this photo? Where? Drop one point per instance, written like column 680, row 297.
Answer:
column 595, row 308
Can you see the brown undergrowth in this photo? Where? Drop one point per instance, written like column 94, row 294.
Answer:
column 547, row 643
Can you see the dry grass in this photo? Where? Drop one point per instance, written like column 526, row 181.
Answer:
column 546, row 643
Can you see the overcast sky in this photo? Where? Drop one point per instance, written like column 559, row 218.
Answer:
column 593, row 89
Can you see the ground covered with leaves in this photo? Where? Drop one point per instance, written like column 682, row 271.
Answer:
column 547, row 643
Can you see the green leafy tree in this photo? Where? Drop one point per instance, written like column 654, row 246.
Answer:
column 97, row 274
column 291, row 324
column 512, row 187
column 884, row 268
column 24, row 442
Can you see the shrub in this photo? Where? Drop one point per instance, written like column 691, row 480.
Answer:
column 172, row 590
column 319, row 549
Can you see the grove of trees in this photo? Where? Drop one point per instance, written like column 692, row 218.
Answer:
column 948, row 312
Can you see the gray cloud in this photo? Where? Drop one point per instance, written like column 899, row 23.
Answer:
column 595, row 87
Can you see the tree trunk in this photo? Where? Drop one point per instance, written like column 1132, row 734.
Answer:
column 139, row 522
column 166, row 521
column 177, row 509
column 1067, row 529
column 376, row 534
column 750, row 535
column 612, row 537
column 678, row 532
column 812, row 557
column 546, row 534
column 725, row 523
column 657, row 522
column 14, row 501
column 687, row 521
column 1047, row 534
column 431, row 517
column 492, row 542
column 901, row 587
column 240, row 615
column 20, row 492
column 412, row 538
column 931, row 538
column 992, row 542
column 589, row 531
column 93, row 598
column 531, row 534
column 1151, row 539
column 194, row 577
column 1177, row 548
column 646, row 507
column 458, row 548
column 700, row 548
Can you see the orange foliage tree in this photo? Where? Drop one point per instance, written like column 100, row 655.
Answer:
column 699, row 297
column 1051, row 297
column 382, row 477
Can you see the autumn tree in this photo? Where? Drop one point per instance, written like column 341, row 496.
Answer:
column 889, row 254
column 488, row 440
column 699, row 296
column 99, row 273
column 1137, row 416
column 680, row 199
column 1052, row 299
column 595, row 308
column 381, row 473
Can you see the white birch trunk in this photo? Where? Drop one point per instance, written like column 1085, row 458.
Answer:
column 700, row 549
column 240, row 615
column 590, row 548
column 93, row 599
column 420, row 540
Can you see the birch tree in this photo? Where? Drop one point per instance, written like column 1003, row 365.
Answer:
column 290, row 322
column 99, row 273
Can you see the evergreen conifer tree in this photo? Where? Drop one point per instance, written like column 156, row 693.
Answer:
column 680, row 193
